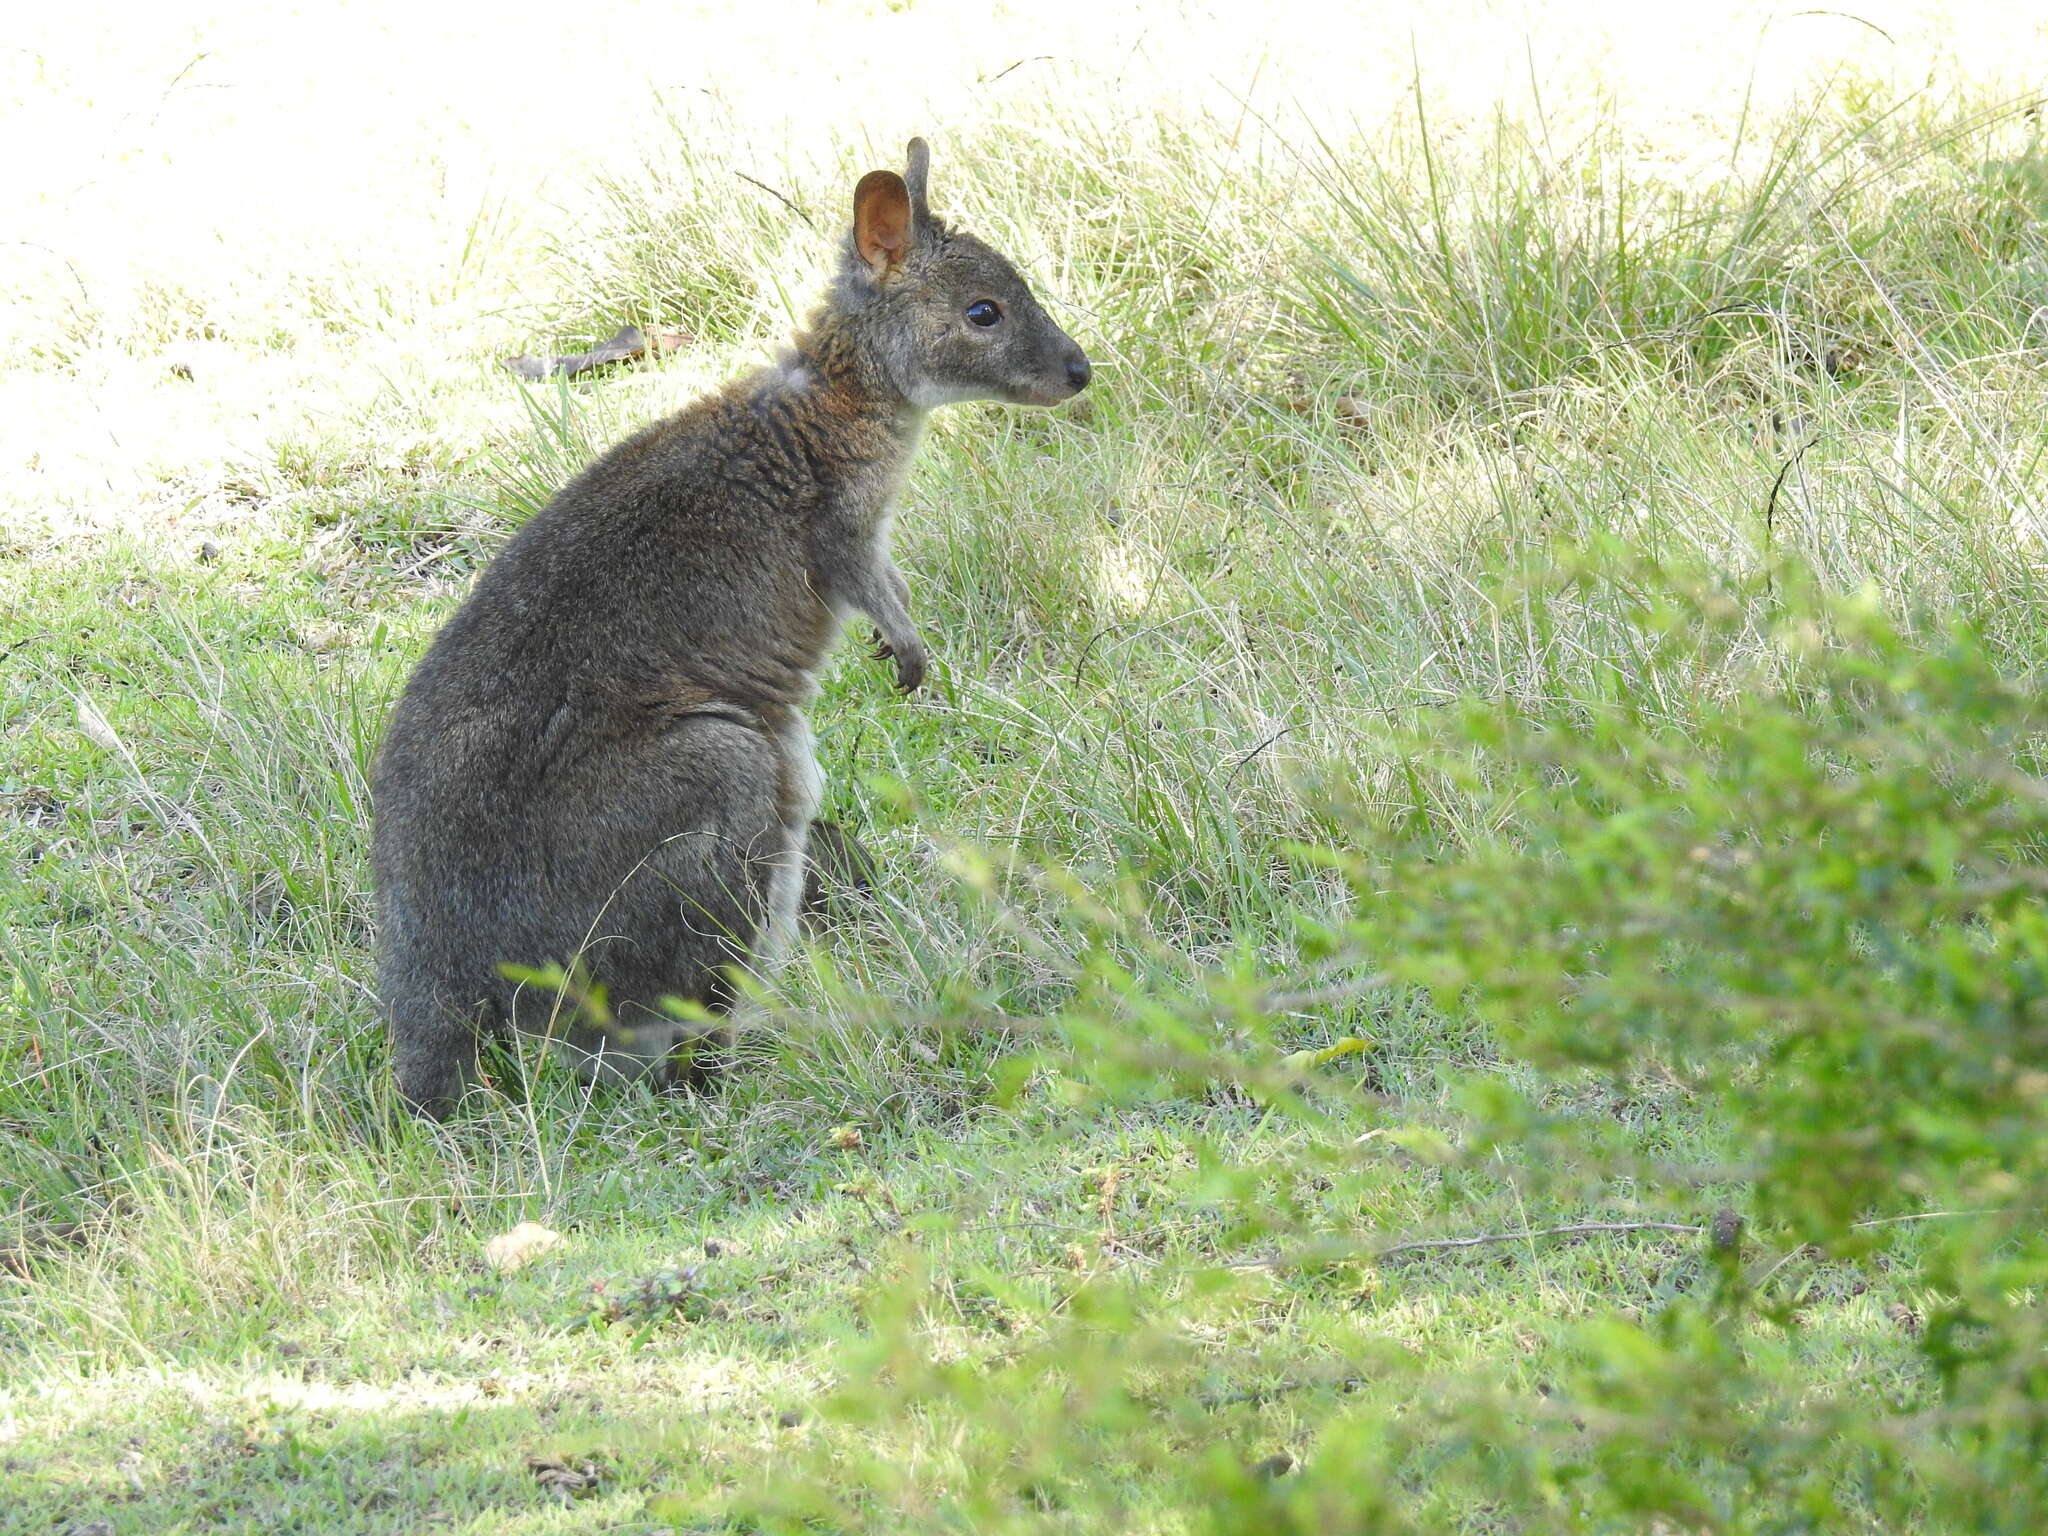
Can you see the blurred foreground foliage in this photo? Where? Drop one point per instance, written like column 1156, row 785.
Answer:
column 1810, row 912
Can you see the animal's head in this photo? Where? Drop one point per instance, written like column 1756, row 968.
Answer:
column 945, row 317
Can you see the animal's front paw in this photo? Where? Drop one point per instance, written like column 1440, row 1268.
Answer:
column 910, row 659
column 910, row 668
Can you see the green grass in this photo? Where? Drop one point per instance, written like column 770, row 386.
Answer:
column 1363, row 396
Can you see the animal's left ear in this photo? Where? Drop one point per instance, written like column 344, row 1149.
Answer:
column 881, row 222
column 915, row 177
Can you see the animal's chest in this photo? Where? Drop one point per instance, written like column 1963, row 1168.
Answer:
column 866, row 501
column 851, row 540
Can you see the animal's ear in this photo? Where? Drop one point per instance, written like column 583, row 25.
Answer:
column 881, row 221
column 915, row 177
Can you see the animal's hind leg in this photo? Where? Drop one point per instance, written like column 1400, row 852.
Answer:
column 433, row 1035
column 433, row 1058
column 433, row 1042
column 780, row 886
column 679, row 863
column 776, row 876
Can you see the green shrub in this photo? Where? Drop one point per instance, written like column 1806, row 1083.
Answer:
column 1808, row 918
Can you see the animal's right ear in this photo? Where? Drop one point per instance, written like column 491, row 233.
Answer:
column 917, row 177
column 881, row 221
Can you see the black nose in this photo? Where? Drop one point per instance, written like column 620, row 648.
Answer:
column 1079, row 371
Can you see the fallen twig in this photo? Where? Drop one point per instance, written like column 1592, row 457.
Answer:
column 18, row 1257
column 1512, row 1237
column 629, row 345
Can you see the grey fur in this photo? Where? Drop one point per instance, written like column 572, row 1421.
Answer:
column 602, row 762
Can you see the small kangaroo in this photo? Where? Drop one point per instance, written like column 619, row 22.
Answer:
column 603, row 761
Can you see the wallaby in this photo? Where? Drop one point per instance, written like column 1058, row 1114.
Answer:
column 602, row 762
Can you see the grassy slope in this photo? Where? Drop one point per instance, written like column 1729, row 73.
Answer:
column 1354, row 391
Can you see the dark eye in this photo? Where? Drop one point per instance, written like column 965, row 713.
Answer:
column 982, row 312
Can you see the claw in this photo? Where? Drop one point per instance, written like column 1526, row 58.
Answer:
column 910, row 672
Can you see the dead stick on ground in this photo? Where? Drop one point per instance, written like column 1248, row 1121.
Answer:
column 1511, row 1237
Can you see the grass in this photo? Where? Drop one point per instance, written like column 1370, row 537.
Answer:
column 978, row 1236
